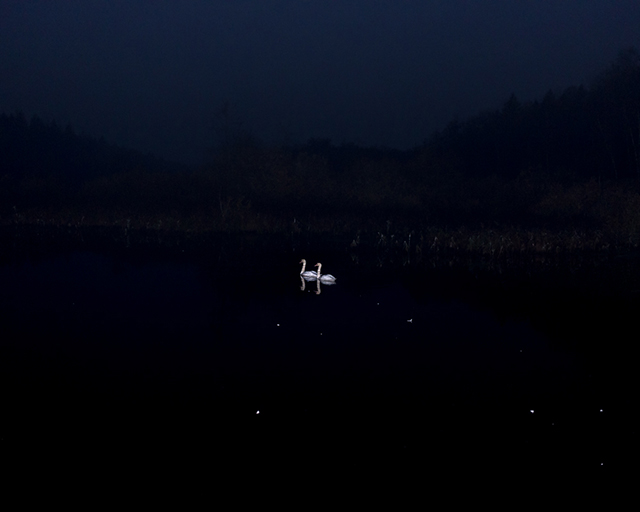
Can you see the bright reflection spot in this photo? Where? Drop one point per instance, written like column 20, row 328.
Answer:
column 257, row 412
column 277, row 325
column 410, row 320
column 531, row 411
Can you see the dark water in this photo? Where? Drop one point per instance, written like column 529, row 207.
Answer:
column 218, row 347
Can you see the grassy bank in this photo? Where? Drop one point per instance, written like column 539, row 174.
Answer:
column 496, row 219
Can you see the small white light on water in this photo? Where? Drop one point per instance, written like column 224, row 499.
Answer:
column 410, row 320
column 257, row 412
column 277, row 325
column 531, row 411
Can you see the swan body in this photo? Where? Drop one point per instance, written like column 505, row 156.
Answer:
column 324, row 278
column 307, row 273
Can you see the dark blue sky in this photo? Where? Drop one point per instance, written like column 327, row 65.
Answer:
column 151, row 74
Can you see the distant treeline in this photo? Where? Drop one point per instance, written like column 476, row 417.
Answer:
column 579, row 133
column 571, row 160
column 35, row 148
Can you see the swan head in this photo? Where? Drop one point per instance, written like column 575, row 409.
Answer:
column 302, row 261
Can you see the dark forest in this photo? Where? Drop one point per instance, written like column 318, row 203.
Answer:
column 560, row 173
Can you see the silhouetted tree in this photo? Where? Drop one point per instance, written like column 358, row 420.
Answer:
column 616, row 97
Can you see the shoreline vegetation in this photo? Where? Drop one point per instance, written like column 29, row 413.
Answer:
column 553, row 219
column 559, row 175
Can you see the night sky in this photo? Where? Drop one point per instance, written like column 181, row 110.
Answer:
column 151, row 74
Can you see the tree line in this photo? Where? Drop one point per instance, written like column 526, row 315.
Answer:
column 586, row 132
column 569, row 159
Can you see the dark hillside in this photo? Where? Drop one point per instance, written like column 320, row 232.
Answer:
column 567, row 163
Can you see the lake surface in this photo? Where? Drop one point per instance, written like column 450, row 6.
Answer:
column 220, row 344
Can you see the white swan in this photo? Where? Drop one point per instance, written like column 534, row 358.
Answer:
column 324, row 278
column 308, row 273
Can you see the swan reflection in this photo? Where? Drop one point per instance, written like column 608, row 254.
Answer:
column 304, row 280
column 318, row 289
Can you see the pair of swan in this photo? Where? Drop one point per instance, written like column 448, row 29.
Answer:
column 309, row 274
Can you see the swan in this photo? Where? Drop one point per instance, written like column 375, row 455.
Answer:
column 326, row 278
column 308, row 273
